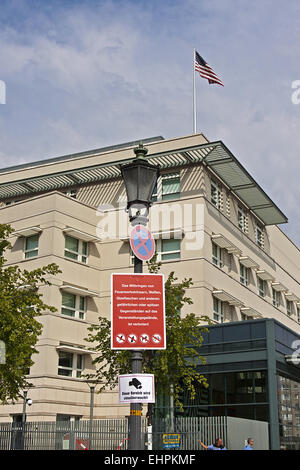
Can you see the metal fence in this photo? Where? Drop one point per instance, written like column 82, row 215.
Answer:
column 109, row 434
column 190, row 431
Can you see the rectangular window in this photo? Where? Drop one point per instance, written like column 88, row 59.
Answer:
column 170, row 249
column 244, row 275
column 261, row 287
column 170, row 186
column 216, row 195
column 289, row 307
column 218, row 313
column 73, row 305
column 217, row 255
column 70, row 364
column 76, row 249
column 31, row 246
column 259, row 236
column 276, row 297
column 242, row 220
column 298, row 314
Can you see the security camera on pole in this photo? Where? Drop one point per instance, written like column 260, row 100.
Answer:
column 140, row 178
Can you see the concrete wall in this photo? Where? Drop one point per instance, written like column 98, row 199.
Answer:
column 239, row 429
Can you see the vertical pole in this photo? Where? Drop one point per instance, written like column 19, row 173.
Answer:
column 92, row 388
column 23, row 419
column 24, row 408
column 274, row 437
column 194, row 94
column 135, row 423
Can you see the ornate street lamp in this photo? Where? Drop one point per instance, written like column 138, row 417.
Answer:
column 140, row 178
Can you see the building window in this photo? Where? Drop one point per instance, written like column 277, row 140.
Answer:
column 298, row 314
column 170, row 186
column 31, row 246
column 73, row 305
column 216, row 195
column 261, row 287
column 218, row 313
column 244, row 275
column 167, row 187
column 289, row 307
column 70, row 364
column 259, row 236
column 170, row 249
column 217, row 255
column 242, row 220
column 76, row 249
column 276, row 297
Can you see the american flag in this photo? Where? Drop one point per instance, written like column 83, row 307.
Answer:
column 205, row 70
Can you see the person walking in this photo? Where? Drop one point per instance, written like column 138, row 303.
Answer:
column 249, row 445
column 218, row 445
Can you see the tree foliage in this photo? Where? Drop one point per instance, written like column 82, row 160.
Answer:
column 20, row 304
column 174, row 368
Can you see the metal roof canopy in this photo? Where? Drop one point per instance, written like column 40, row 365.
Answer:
column 213, row 154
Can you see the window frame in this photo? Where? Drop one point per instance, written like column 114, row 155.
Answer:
column 75, row 371
column 242, row 219
column 36, row 249
column 259, row 239
column 159, row 194
column 81, row 256
column 218, row 313
column 217, row 259
column 216, row 194
column 261, row 287
column 275, row 298
column 289, row 307
column 79, row 312
column 244, row 278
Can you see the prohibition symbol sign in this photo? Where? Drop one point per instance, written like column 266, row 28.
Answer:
column 142, row 242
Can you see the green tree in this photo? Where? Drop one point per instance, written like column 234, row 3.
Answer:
column 20, row 304
column 174, row 368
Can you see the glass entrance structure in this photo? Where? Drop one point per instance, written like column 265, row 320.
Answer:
column 253, row 373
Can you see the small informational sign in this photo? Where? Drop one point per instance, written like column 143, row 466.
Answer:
column 171, row 441
column 142, row 243
column 136, row 388
column 137, row 311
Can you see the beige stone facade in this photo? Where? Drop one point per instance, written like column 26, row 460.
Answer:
column 71, row 212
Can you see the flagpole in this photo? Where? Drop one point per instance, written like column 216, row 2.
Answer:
column 194, row 94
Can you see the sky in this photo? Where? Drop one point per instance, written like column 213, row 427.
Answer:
column 78, row 75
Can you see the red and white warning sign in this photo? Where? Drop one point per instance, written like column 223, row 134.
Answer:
column 137, row 311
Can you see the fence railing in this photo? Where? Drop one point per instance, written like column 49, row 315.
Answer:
column 109, row 434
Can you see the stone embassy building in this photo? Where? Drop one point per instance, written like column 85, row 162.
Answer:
column 212, row 222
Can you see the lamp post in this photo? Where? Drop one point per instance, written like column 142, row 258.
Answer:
column 25, row 402
column 140, row 178
column 92, row 384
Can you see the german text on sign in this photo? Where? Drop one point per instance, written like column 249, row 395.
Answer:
column 138, row 311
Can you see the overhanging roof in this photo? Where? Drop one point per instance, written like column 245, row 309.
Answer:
column 213, row 154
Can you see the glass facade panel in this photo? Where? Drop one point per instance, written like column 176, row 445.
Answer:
column 289, row 412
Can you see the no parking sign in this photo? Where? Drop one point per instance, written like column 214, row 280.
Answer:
column 142, row 242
